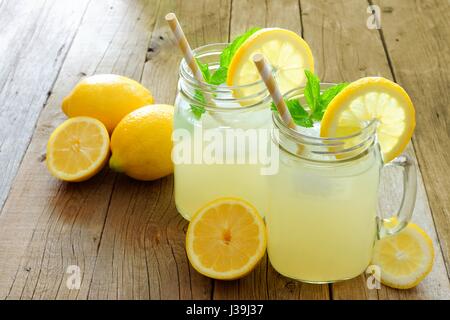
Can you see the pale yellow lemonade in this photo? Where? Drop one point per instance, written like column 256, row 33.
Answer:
column 206, row 179
column 199, row 183
column 321, row 223
column 232, row 171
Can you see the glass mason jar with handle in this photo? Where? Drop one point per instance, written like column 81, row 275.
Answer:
column 322, row 219
column 219, row 140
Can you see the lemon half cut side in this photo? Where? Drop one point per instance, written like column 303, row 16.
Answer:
column 226, row 239
column 77, row 149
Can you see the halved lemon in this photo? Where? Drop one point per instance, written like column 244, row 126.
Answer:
column 405, row 259
column 226, row 239
column 367, row 99
column 77, row 149
column 286, row 51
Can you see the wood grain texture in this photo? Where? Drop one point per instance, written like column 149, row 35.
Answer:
column 417, row 36
column 144, row 233
column 47, row 225
column 346, row 50
column 126, row 236
column 35, row 38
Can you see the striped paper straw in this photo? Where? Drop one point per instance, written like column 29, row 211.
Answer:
column 185, row 48
column 267, row 76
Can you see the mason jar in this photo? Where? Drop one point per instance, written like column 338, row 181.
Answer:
column 322, row 218
column 220, row 139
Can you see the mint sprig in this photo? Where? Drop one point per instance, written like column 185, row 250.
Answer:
column 298, row 113
column 317, row 101
column 220, row 75
column 198, row 110
column 325, row 99
column 204, row 68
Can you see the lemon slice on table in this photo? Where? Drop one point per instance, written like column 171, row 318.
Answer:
column 77, row 149
column 286, row 51
column 367, row 99
column 405, row 259
column 226, row 239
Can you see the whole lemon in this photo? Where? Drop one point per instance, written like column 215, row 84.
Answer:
column 106, row 97
column 141, row 143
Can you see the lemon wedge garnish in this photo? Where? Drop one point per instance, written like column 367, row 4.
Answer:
column 367, row 99
column 286, row 51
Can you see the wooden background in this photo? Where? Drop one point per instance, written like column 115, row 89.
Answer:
column 126, row 236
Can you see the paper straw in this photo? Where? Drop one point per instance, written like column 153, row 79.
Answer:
column 185, row 48
column 266, row 75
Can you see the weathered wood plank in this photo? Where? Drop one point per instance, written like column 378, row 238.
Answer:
column 148, row 235
column 264, row 282
column 417, row 37
column 346, row 50
column 35, row 38
column 126, row 236
column 47, row 225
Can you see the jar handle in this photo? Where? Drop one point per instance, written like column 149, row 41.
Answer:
column 408, row 199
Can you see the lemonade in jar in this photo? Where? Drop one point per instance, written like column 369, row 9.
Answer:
column 208, row 163
column 322, row 220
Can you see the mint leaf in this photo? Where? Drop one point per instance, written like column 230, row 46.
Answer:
column 325, row 98
column 225, row 56
column 204, row 68
column 318, row 102
column 299, row 115
column 220, row 75
column 198, row 110
column 230, row 50
column 330, row 93
column 312, row 90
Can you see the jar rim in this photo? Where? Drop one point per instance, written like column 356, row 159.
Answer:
column 186, row 72
column 335, row 148
column 223, row 95
column 369, row 127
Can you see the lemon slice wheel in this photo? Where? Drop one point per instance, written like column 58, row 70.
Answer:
column 77, row 149
column 405, row 259
column 226, row 239
column 365, row 100
column 286, row 51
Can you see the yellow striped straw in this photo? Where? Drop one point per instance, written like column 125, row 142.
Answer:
column 185, row 48
column 267, row 76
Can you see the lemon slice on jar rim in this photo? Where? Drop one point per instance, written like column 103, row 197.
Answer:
column 368, row 99
column 286, row 51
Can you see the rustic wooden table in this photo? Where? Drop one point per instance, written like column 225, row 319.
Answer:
column 126, row 236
